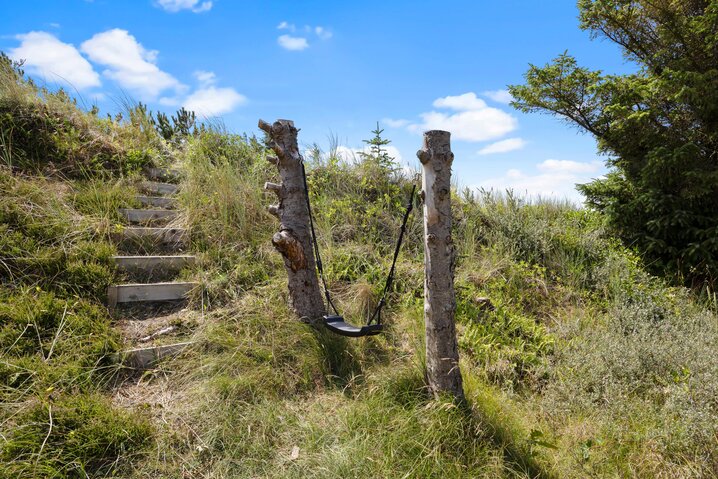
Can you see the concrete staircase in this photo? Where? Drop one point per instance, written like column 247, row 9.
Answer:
column 153, row 243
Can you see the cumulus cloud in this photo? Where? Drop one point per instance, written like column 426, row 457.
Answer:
column 48, row 57
column 213, row 101
column 392, row 123
column 130, row 64
column 291, row 43
column 205, row 77
column 174, row 6
column 353, row 154
column 323, row 33
column 568, row 166
column 287, row 26
column 554, row 179
column 503, row 146
column 465, row 102
column 298, row 43
column 210, row 100
column 472, row 120
column 499, row 96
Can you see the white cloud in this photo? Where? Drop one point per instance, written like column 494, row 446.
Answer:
column 474, row 120
column 47, row 56
column 503, row 146
column 205, row 77
column 286, row 26
column 391, row 123
column 175, row 6
column 480, row 125
column 322, row 33
column 352, row 154
column 289, row 42
column 209, row 100
column 568, row 166
column 499, row 96
column 170, row 101
column 555, row 179
column 130, row 64
column 465, row 102
column 213, row 101
column 296, row 43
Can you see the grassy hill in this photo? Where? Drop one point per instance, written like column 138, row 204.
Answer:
column 576, row 362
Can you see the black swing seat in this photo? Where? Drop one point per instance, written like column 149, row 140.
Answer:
column 336, row 324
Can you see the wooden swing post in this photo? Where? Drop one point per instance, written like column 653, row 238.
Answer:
column 293, row 240
column 442, row 352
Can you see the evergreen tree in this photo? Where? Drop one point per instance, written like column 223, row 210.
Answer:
column 377, row 153
column 658, row 126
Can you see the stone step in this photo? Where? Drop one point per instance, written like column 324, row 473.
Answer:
column 147, row 216
column 150, row 263
column 134, row 292
column 152, row 236
column 158, row 188
column 144, row 358
column 162, row 174
column 157, row 201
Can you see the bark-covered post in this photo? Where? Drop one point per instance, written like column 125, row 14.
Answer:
column 442, row 352
column 293, row 240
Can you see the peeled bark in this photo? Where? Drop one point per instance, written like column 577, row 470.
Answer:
column 442, row 352
column 293, row 240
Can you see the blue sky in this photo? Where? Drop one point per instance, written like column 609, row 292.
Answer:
column 333, row 67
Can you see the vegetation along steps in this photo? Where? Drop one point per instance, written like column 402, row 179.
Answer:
column 146, row 357
column 147, row 270
column 134, row 292
column 159, row 188
column 157, row 201
column 140, row 216
column 157, row 235
column 162, row 174
column 150, row 263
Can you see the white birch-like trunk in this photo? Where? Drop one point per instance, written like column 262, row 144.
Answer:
column 442, row 352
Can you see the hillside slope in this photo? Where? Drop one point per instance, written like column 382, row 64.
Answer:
column 576, row 362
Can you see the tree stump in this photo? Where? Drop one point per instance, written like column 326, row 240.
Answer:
column 293, row 240
column 442, row 352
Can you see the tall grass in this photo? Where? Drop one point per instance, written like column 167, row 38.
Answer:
column 577, row 363
column 62, row 177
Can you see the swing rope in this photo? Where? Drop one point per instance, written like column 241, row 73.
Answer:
column 376, row 315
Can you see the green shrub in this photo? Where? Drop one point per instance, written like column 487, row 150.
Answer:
column 78, row 436
column 36, row 325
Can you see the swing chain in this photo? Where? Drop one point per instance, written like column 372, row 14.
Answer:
column 376, row 315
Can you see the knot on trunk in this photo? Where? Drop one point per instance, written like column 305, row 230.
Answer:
column 282, row 136
column 291, row 248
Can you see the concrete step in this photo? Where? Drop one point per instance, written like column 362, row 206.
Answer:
column 145, row 358
column 162, row 174
column 134, row 292
column 157, row 201
column 150, row 263
column 149, row 236
column 158, row 188
column 147, row 216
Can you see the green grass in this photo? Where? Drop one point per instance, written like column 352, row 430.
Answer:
column 580, row 364
column 63, row 174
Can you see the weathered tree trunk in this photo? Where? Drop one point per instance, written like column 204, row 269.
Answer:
column 293, row 240
column 442, row 352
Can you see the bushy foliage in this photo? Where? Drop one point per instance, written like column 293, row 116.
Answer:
column 44, row 245
column 182, row 124
column 656, row 126
column 576, row 361
column 46, row 131
column 76, row 437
